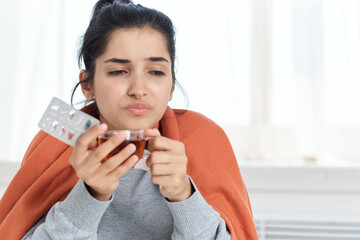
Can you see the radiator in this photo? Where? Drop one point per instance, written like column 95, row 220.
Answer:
column 271, row 229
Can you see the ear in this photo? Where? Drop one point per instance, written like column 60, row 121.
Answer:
column 86, row 87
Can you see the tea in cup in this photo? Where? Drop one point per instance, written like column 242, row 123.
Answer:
column 135, row 137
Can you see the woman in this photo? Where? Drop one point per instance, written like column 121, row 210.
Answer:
column 193, row 189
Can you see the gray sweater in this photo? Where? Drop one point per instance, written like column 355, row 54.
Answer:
column 136, row 210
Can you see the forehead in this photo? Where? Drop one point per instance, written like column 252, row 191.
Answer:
column 136, row 44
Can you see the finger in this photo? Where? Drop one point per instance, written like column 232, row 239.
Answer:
column 112, row 163
column 154, row 132
column 174, row 189
column 123, row 168
column 93, row 145
column 158, row 157
column 165, row 181
column 165, row 144
column 105, row 148
column 163, row 169
column 83, row 142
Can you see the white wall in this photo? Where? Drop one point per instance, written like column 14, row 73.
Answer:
column 304, row 193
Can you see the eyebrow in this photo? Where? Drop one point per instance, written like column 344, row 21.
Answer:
column 156, row 59
column 117, row 60
column 150, row 59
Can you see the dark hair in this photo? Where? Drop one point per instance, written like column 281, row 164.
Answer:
column 111, row 15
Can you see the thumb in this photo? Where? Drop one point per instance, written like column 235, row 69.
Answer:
column 151, row 133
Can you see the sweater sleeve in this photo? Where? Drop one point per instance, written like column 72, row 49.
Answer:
column 77, row 217
column 194, row 219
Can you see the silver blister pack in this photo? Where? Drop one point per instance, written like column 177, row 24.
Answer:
column 64, row 122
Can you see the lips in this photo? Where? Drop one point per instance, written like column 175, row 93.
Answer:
column 138, row 109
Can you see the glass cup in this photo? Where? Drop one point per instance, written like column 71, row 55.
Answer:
column 132, row 136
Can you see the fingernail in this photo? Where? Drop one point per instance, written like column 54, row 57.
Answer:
column 102, row 127
column 131, row 148
column 134, row 159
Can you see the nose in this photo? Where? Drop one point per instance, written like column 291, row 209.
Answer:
column 137, row 88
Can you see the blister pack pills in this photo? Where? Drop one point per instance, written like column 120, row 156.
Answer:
column 64, row 122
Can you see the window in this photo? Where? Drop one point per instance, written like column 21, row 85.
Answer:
column 280, row 76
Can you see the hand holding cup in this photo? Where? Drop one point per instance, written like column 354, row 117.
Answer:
column 102, row 177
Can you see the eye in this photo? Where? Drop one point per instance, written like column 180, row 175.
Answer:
column 157, row 73
column 117, row 72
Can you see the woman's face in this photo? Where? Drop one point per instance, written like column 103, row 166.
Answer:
column 133, row 82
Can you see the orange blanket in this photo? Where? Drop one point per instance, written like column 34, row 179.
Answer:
column 45, row 176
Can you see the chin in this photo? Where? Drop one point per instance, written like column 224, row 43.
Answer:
column 138, row 125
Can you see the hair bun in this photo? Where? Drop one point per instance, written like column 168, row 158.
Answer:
column 126, row 1
column 102, row 3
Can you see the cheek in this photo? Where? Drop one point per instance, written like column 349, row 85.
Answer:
column 104, row 95
column 107, row 89
column 163, row 94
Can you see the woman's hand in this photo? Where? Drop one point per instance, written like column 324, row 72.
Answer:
column 168, row 164
column 101, row 177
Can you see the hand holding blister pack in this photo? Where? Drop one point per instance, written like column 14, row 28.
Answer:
column 64, row 122
column 67, row 124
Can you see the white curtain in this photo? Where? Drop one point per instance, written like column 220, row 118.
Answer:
column 280, row 76
column 40, row 47
column 315, row 77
